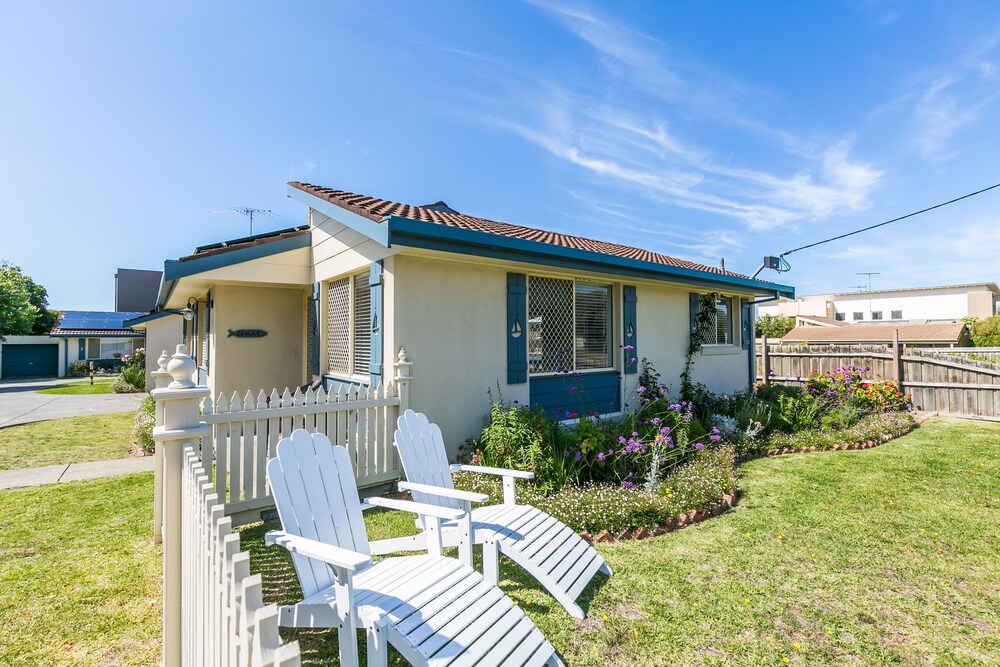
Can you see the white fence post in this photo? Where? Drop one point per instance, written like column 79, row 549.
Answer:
column 161, row 378
column 403, row 380
column 180, row 402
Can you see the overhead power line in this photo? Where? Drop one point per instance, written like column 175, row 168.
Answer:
column 779, row 264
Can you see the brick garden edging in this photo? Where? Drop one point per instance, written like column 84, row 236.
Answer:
column 682, row 520
column 730, row 499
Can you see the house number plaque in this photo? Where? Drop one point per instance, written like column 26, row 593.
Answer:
column 246, row 333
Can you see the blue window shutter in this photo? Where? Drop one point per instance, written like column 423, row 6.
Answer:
column 314, row 333
column 631, row 332
column 695, row 306
column 83, row 348
column 517, row 328
column 375, row 363
column 746, row 324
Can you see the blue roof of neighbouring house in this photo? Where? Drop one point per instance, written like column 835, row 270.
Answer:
column 95, row 323
column 439, row 227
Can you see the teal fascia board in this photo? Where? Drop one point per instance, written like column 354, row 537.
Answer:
column 174, row 270
column 433, row 236
column 148, row 318
column 376, row 231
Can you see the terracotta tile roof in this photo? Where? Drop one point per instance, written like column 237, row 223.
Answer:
column 378, row 209
column 246, row 242
column 947, row 332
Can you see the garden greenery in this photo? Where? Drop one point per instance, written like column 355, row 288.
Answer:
column 661, row 458
column 132, row 377
column 707, row 310
column 142, row 424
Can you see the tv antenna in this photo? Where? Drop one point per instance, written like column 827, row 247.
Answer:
column 247, row 211
column 869, row 274
column 860, row 288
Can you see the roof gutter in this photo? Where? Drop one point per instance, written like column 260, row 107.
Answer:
column 432, row 236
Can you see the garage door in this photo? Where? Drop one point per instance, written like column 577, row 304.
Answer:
column 25, row 361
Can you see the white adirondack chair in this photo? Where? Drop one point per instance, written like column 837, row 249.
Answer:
column 549, row 550
column 435, row 610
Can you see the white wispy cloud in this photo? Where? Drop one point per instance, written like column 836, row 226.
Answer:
column 613, row 132
column 943, row 101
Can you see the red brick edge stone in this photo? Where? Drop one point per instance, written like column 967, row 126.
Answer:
column 728, row 500
column 686, row 519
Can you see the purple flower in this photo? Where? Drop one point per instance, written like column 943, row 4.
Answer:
column 627, row 485
column 713, row 438
column 568, row 414
column 565, row 453
column 640, row 390
column 578, row 456
column 699, row 445
column 628, row 347
column 572, row 390
column 601, row 457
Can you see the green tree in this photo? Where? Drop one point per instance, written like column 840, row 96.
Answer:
column 23, row 304
column 984, row 333
column 774, row 326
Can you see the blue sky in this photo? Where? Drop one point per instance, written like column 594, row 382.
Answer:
column 701, row 130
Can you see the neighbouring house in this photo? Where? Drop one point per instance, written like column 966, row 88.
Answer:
column 136, row 289
column 946, row 303
column 162, row 331
column 478, row 305
column 100, row 337
column 936, row 334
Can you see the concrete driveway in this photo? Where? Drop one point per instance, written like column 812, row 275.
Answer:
column 20, row 403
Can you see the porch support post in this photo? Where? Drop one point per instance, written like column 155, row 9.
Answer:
column 181, row 409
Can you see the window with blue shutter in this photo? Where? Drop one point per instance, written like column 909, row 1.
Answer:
column 694, row 305
column 517, row 328
column 375, row 284
column 630, row 332
column 746, row 324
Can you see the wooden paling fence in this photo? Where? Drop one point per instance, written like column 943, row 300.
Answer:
column 945, row 380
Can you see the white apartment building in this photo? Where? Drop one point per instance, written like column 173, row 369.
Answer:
column 947, row 303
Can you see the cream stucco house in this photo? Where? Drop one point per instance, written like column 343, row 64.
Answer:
column 474, row 302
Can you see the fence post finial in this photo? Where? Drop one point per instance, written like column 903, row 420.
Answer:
column 161, row 378
column 403, row 378
column 181, row 367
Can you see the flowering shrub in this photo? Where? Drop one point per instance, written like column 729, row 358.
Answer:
column 697, row 484
column 142, row 424
column 133, row 373
column 869, row 427
column 847, row 388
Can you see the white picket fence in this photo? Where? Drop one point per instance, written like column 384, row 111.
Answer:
column 225, row 620
column 213, row 612
column 246, row 430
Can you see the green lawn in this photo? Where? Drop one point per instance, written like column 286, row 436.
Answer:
column 79, row 574
column 102, row 386
column 878, row 557
column 69, row 440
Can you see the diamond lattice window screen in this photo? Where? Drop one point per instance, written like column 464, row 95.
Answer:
column 338, row 323
column 593, row 324
column 310, row 328
column 721, row 330
column 550, row 324
column 362, row 324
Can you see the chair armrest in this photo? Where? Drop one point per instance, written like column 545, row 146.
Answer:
column 416, row 508
column 502, row 472
column 441, row 492
column 328, row 553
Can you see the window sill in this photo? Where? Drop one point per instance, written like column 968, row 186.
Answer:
column 349, row 379
column 718, row 350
